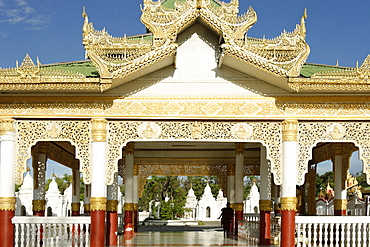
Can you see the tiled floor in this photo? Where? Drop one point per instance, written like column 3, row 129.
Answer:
column 186, row 238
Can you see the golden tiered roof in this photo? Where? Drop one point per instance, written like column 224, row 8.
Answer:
column 119, row 57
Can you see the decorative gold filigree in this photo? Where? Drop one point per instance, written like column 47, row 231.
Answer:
column 238, row 207
column 38, row 205
column 7, row 203
column 311, row 133
column 75, row 206
column 128, row 207
column 241, row 131
column 265, row 205
column 29, row 132
column 288, row 203
column 269, row 133
column 98, row 203
column 99, row 130
column 340, row 204
column 290, row 130
column 6, row 125
column 149, row 130
column 336, row 131
column 112, row 205
column 239, row 148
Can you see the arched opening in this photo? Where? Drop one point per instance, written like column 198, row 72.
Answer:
column 208, row 212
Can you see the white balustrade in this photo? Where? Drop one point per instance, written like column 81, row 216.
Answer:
column 249, row 227
column 51, row 231
column 332, row 231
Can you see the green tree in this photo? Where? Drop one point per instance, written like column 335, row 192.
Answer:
column 323, row 180
column 168, row 191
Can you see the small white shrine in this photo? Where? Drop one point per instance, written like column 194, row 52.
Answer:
column 251, row 203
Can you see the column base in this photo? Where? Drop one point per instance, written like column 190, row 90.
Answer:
column 238, row 216
column 97, row 227
column 288, row 212
column 340, row 207
column 265, row 228
column 128, row 223
column 7, row 228
column 75, row 206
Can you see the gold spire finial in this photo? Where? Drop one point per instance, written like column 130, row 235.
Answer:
column 303, row 24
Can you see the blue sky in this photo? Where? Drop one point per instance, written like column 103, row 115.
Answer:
column 51, row 30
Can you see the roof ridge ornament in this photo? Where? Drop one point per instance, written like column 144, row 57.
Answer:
column 28, row 69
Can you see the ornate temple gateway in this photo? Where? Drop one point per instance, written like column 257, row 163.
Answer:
column 195, row 95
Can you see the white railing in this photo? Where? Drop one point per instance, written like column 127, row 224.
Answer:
column 332, row 231
column 249, row 227
column 51, row 231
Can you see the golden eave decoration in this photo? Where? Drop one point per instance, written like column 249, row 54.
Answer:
column 118, row 57
column 356, row 79
column 31, row 76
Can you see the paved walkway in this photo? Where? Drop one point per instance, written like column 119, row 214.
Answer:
column 209, row 235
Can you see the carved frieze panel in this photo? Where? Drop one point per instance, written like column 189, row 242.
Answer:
column 311, row 133
column 29, row 132
column 267, row 133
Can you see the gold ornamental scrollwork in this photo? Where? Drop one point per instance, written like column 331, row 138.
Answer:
column 241, row 131
column 239, row 148
column 265, row 205
column 130, row 148
column 98, row 204
column 87, row 207
column 340, row 204
column 38, row 205
column 289, row 203
column 149, row 130
column 7, row 203
column 128, row 207
column 112, row 205
column 238, row 207
column 75, row 206
column 6, row 125
column 290, row 130
column 99, row 129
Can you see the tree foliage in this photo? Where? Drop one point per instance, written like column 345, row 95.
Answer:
column 323, row 180
column 167, row 191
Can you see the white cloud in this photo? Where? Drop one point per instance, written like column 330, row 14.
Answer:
column 20, row 12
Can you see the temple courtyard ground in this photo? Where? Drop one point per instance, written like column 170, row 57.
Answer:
column 210, row 234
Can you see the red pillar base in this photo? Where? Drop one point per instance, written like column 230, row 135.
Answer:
column 287, row 228
column 7, row 228
column 340, row 212
column 112, row 227
column 265, row 228
column 97, row 228
column 136, row 220
column 128, row 226
column 238, row 216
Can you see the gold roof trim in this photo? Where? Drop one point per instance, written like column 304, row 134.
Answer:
column 119, row 57
column 31, row 76
column 356, row 79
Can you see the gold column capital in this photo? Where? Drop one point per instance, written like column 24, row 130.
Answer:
column 98, row 203
column 7, row 203
column 6, row 125
column 290, row 130
column 238, row 207
column 128, row 207
column 38, row 205
column 99, row 129
column 340, row 204
column 112, row 205
column 338, row 149
column 265, row 205
column 231, row 170
column 239, row 148
column 136, row 170
column 75, row 206
column 130, row 148
column 288, row 203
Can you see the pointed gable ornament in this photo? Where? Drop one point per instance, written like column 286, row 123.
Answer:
column 28, row 69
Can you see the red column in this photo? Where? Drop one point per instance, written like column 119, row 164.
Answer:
column 112, row 223
column 136, row 217
column 128, row 224
column 97, row 228
column 265, row 222
column 238, row 212
column 7, row 208
column 288, row 211
column 340, row 207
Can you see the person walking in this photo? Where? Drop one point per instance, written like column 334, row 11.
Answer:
column 227, row 215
